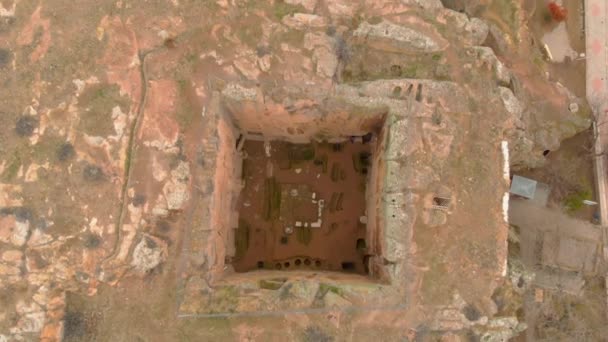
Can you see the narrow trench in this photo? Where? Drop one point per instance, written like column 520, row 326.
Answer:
column 130, row 151
column 142, row 55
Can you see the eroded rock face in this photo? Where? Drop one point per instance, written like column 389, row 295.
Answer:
column 148, row 254
column 396, row 38
column 177, row 190
column 474, row 29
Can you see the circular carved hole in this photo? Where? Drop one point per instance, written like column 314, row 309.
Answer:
column 307, row 262
column 318, row 263
column 298, row 262
column 286, row 264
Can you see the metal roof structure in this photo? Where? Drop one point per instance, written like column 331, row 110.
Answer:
column 523, row 186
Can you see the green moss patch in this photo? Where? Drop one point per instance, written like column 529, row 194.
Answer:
column 272, row 284
column 12, row 168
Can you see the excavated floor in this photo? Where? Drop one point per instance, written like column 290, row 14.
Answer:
column 303, row 207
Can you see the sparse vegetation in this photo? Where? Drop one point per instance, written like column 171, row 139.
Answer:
column 262, row 50
column 324, row 288
column 12, row 167
column 91, row 241
column 241, row 239
column 74, row 326
column 342, row 50
column 92, row 173
column 22, row 214
column 315, row 334
column 471, row 313
column 508, row 12
column 574, row 201
column 170, row 43
column 80, row 324
column 26, row 125
column 65, row 152
column 282, row 9
column 96, row 103
column 186, row 112
column 163, row 226
column 272, row 284
column 139, row 200
column 5, row 57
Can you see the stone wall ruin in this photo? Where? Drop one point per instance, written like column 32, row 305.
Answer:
column 238, row 115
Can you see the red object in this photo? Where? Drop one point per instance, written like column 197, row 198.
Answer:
column 558, row 13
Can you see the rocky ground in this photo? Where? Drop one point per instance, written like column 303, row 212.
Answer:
column 103, row 152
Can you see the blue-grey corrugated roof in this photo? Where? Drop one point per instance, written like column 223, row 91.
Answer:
column 523, row 186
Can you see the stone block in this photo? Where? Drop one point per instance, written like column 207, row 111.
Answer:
column 393, row 180
column 403, row 139
column 391, row 37
column 400, row 215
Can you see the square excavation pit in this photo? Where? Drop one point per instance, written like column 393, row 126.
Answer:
column 296, row 220
column 302, row 206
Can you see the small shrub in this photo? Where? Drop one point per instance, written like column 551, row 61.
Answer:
column 23, row 214
column 170, row 43
column 163, row 226
column 74, row 326
column 92, row 173
column 5, row 57
column 315, row 334
column 138, row 200
column 26, row 125
column 558, row 13
column 262, row 50
column 65, row 152
column 282, row 9
column 471, row 313
column 91, row 241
